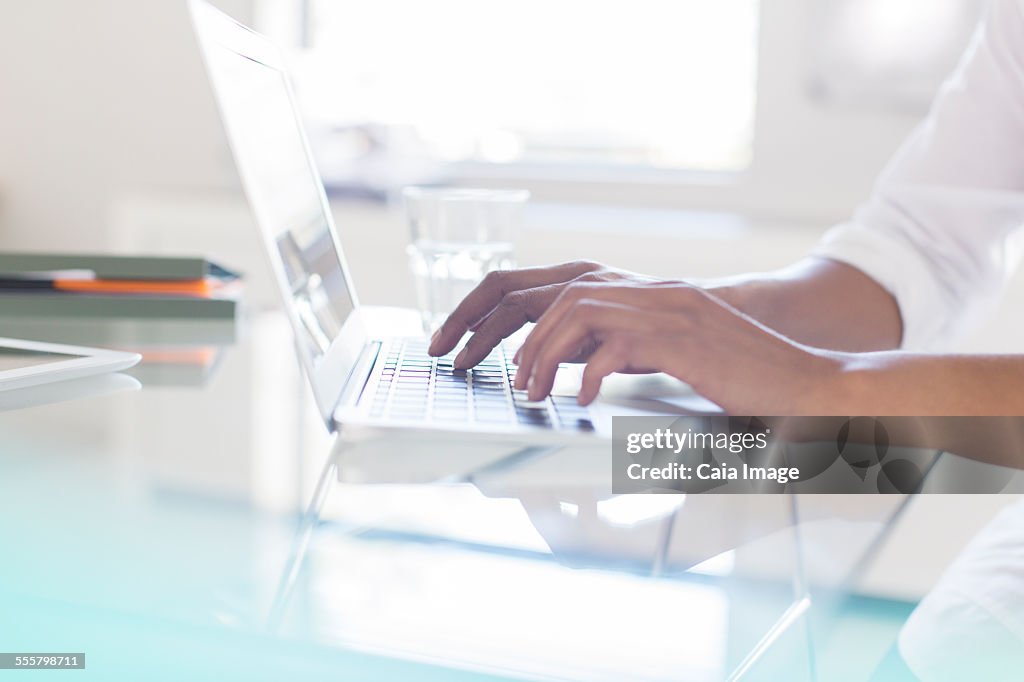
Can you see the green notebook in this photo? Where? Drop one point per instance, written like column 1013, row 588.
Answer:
column 75, row 304
column 115, row 267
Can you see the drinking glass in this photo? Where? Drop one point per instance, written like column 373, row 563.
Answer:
column 457, row 236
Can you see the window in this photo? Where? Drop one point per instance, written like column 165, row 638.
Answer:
column 889, row 53
column 663, row 84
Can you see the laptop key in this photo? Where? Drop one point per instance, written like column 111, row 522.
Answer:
column 441, row 387
column 407, row 412
column 491, row 391
column 450, row 416
column 493, row 418
column 449, row 400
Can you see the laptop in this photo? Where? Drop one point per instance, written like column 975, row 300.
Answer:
column 357, row 380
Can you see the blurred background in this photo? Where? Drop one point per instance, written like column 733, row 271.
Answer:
column 678, row 138
column 723, row 137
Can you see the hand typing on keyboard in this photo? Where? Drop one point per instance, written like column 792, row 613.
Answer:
column 684, row 331
column 506, row 300
column 621, row 322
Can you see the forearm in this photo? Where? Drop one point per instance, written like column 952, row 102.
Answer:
column 820, row 303
column 895, row 383
column 970, row 405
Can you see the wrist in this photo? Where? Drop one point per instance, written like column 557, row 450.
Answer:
column 838, row 386
column 746, row 293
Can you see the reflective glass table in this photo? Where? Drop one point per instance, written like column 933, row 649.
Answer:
column 197, row 521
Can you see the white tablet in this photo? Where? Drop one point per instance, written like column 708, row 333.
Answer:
column 30, row 363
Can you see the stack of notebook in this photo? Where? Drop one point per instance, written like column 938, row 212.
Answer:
column 50, row 285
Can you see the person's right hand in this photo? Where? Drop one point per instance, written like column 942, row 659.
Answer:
column 507, row 299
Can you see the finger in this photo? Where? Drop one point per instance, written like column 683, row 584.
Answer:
column 488, row 294
column 584, row 353
column 515, row 310
column 659, row 296
column 589, row 318
column 566, row 299
column 621, row 353
column 612, row 356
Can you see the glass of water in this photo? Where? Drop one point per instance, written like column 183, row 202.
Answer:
column 457, row 237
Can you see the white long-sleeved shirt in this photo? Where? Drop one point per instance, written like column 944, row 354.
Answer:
column 943, row 230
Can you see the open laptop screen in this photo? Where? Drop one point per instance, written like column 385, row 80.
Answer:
column 285, row 192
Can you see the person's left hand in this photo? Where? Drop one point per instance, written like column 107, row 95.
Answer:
column 681, row 330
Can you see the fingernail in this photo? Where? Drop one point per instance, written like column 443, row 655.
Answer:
column 515, row 358
column 433, row 340
column 457, row 364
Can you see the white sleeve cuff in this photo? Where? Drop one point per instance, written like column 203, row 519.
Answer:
column 899, row 268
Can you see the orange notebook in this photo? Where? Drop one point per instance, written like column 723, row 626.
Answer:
column 191, row 287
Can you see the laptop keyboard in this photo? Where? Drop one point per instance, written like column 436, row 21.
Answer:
column 416, row 387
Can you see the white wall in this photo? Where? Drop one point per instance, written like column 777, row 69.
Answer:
column 99, row 99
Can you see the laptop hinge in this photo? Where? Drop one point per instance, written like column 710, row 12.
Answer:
column 360, row 375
